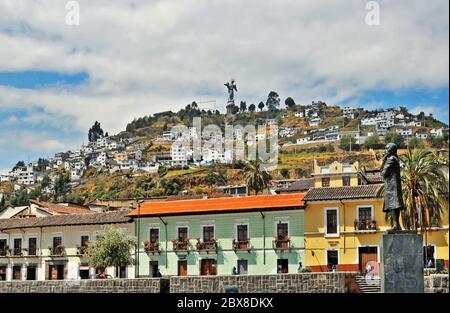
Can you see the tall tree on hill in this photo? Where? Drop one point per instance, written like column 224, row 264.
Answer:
column 243, row 106
column 256, row 176
column 289, row 102
column 95, row 132
column 273, row 101
column 252, row 107
column 261, row 106
column 61, row 187
column 19, row 165
column 398, row 139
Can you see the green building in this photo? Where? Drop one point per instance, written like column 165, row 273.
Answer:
column 219, row 236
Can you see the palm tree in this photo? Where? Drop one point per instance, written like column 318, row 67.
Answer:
column 425, row 189
column 256, row 176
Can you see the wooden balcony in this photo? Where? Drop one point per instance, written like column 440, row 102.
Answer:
column 282, row 244
column 180, row 246
column 365, row 225
column 207, row 246
column 152, row 247
column 241, row 245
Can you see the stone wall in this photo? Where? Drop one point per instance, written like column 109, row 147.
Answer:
column 147, row 285
column 436, row 283
column 280, row 283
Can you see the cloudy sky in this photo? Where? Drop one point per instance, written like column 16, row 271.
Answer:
column 132, row 58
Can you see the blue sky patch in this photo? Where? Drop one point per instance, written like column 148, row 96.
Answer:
column 40, row 79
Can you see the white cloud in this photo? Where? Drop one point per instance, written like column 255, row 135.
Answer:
column 146, row 56
column 35, row 142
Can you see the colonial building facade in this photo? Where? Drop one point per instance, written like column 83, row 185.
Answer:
column 220, row 236
column 52, row 248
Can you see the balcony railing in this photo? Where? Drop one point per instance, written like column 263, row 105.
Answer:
column 151, row 247
column 365, row 225
column 180, row 245
column 281, row 244
column 56, row 251
column 241, row 244
column 207, row 246
column 5, row 252
column 17, row 251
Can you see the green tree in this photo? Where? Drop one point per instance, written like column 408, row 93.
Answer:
column 425, row 189
column 243, row 106
column 252, row 107
column 95, row 132
column 61, row 187
column 289, row 102
column 19, row 165
column 416, row 143
column 347, row 143
column 112, row 248
column 2, row 202
column 261, row 106
column 19, row 197
column 215, row 176
column 256, row 176
column 273, row 101
column 398, row 139
column 372, row 142
column 285, row 173
column 46, row 182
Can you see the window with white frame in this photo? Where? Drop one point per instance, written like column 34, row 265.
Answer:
column 154, row 235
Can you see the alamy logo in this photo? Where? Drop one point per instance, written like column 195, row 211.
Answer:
column 240, row 143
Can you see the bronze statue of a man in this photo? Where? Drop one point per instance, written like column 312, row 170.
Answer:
column 393, row 198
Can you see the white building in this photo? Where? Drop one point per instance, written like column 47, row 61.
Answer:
column 34, row 249
column 315, row 122
column 349, row 112
column 299, row 114
column 25, row 175
column 179, row 155
column 404, row 131
column 422, row 135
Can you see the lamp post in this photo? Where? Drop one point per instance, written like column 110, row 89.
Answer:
column 138, row 237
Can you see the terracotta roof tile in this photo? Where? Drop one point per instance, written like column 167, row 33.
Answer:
column 234, row 204
column 348, row 192
column 65, row 220
column 62, row 209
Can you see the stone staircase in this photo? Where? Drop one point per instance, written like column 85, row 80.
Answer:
column 369, row 285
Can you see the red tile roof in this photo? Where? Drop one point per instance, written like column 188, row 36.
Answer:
column 215, row 205
column 61, row 208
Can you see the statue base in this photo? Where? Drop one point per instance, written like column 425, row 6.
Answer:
column 402, row 262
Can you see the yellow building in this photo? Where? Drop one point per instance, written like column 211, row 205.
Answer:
column 336, row 174
column 344, row 226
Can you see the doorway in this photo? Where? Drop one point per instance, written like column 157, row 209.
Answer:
column 153, row 268
column 182, row 268
column 208, row 267
column 242, row 266
column 31, row 272
column 282, row 266
column 366, row 255
column 428, row 257
column 56, row 272
column 332, row 260
column 3, row 272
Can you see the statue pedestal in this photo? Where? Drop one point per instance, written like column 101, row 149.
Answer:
column 402, row 262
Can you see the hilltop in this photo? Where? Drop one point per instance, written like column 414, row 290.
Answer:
column 140, row 161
